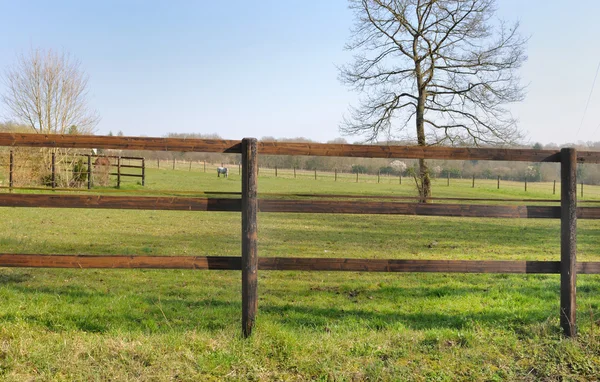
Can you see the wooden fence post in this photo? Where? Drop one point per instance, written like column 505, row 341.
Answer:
column 144, row 171
column 11, row 170
column 89, row 172
column 173, row 163
column 378, row 175
column 119, row 172
column 249, row 234
column 356, row 176
column 190, row 166
column 294, row 172
column 275, row 171
column 498, row 181
column 448, row 179
column 204, row 166
column 239, row 168
column 53, row 170
column 568, row 240
column 582, row 188
column 315, row 174
column 158, row 162
column 525, row 184
column 554, row 188
column 400, row 179
column 473, row 182
column 335, row 172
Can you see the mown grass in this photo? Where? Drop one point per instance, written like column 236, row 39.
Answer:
column 185, row 325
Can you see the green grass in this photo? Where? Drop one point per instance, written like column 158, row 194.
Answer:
column 124, row 325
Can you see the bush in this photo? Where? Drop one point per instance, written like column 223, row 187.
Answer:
column 359, row 168
column 389, row 170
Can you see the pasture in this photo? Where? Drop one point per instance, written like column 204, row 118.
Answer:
column 58, row 324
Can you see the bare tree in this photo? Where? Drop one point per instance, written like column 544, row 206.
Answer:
column 47, row 91
column 444, row 65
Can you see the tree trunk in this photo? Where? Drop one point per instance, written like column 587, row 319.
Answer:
column 425, row 181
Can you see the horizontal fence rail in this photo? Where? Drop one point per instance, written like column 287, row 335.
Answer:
column 250, row 205
column 120, row 143
column 290, row 264
column 290, row 206
column 288, row 148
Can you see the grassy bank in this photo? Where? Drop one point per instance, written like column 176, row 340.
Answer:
column 185, row 325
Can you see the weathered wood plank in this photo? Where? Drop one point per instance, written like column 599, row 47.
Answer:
column 289, row 206
column 122, row 143
column 249, row 235
column 417, row 152
column 359, row 207
column 129, row 262
column 568, row 241
column 385, row 265
column 287, row 264
column 288, row 148
column 121, row 202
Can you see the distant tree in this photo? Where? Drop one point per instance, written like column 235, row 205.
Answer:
column 443, row 65
column 47, row 91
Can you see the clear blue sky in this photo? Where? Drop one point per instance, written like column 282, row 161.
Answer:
column 268, row 68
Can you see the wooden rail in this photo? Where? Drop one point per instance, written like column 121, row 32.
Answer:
column 287, row 148
column 289, row 206
column 234, row 263
column 249, row 205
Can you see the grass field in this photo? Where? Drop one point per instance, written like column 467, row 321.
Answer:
column 129, row 325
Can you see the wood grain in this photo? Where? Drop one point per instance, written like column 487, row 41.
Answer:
column 120, row 202
column 568, row 242
column 288, row 148
column 288, row 264
column 121, row 143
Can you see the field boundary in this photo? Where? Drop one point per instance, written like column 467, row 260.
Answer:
column 250, row 205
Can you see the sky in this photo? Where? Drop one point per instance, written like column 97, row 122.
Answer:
column 270, row 68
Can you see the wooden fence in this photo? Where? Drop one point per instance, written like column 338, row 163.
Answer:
column 113, row 161
column 249, row 205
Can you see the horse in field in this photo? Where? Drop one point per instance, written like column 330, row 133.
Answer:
column 222, row 170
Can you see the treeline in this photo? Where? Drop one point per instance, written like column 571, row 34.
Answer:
column 518, row 171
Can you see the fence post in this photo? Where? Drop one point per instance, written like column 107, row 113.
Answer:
column 239, row 168
column 173, row 163
column 378, row 175
column 53, row 170
column 315, row 174
column 158, row 162
column 119, row 172
column 356, row 176
column 400, row 179
column 89, row 172
column 11, row 169
column 525, row 184
column 335, row 172
column 568, row 240
column 204, row 166
column 554, row 188
column 190, row 166
column 294, row 172
column 275, row 171
column 582, row 188
column 448, row 179
column 473, row 182
column 249, row 235
column 498, row 181
column 144, row 172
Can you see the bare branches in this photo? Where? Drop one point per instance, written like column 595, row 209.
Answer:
column 48, row 92
column 453, row 65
